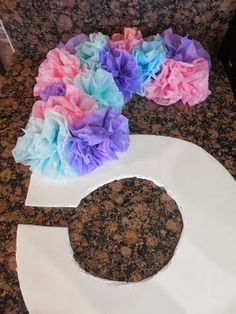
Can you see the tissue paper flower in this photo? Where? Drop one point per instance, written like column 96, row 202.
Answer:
column 97, row 139
column 101, row 86
column 88, row 51
column 180, row 81
column 149, row 56
column 74, row 105
column 73, row 42
column 42, row 146
column 184, row 49
column 131, row 38
column 123, row 69
column 59, row 64
column 52, row 90
column 83, row 85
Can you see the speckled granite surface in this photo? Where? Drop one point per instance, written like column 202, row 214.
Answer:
column 37, row 26
column 209, row 125
column 126, row 236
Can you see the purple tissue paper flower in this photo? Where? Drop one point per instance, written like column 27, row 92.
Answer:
column 73, row 42
column 124, row 70
column 184, row 49
column 96, row 139
column 52, row 90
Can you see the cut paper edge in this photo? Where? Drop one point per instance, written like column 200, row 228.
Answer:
column 204, row 259
column 44, row 256
column 177, row 165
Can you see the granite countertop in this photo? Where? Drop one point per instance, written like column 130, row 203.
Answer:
column 209, row 125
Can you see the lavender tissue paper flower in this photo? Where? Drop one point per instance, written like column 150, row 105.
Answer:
column 124, row 70
column 96, row 139
column 184, row 49
column 52, row 90
column 73, row 42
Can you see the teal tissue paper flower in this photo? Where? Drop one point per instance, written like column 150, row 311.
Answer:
column 149, row 56
column 101, row 86
column 88, row 51
column 42, row 146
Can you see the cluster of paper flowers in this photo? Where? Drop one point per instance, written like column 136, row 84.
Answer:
column 76, row 124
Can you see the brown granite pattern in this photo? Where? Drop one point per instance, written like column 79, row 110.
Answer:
column 37, row 26
column 126, row 237
column 210, row 125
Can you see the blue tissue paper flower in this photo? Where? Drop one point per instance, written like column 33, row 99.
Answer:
column 149, row 56
column 88, row 51
column 101, row 86
column 42, row 146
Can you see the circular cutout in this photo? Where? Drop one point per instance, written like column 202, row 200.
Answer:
column 126, row 230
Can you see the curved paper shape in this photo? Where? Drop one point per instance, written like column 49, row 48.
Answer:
column 188, row 173
column 201, row 277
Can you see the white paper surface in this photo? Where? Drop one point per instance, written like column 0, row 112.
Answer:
column 201, row 277
column 177, row 165
column 194, row 282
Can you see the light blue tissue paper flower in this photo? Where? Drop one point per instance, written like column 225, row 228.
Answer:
column 101, row 86
column 42, row 146
column 149, row 56
column 88, row 51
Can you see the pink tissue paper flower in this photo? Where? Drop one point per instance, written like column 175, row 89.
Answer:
column 131, row 38
column 180, row 81
column 74, row 105
column 58, row 65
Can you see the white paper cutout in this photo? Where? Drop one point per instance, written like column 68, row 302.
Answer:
column 179, row 166
column 201, row 277
column 194, row 282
